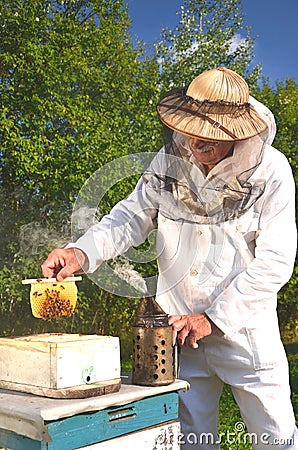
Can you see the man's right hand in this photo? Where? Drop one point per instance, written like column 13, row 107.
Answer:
column 63, row 263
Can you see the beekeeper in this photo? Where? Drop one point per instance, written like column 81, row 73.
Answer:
column 223, row 201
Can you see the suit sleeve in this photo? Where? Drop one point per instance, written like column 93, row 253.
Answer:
column 128, row 224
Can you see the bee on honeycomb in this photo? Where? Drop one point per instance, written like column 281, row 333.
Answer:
column 54, row 306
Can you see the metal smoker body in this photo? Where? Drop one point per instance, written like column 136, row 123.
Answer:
column 153, row 354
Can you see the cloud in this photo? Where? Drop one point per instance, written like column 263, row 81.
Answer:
column 237, row 40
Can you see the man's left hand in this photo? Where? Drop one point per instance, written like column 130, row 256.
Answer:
column 190, row 328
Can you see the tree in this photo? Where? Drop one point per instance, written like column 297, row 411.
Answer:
column 75, row 94
column 69, row 97
column 209, row 34
column 282, row 99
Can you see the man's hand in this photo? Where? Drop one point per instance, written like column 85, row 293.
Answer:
column 63, row 263
column 190, row 328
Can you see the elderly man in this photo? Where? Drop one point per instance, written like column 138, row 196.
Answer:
column 223, row 199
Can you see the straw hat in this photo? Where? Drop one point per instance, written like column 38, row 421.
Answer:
column 215, row 107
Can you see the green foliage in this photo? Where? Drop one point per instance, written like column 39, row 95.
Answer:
column 75, row 94
column 70, row 88
column 287, row 308
column 209, row 34
column 292, row 354
column 282, row 99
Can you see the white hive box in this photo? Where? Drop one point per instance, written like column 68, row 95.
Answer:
column 60, row 365
column 164, row 436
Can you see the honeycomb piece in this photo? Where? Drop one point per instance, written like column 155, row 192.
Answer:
column 52, row 299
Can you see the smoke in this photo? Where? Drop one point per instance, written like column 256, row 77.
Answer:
column 83, row 218
column 34, row 238
column 126, row 272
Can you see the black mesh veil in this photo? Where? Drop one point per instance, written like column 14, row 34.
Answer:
column 175, row 182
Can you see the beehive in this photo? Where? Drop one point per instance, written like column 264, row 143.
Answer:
column 60, row 365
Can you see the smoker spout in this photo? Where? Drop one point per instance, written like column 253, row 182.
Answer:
column 150, row 314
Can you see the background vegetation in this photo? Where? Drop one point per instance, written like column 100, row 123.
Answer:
column 76, row 93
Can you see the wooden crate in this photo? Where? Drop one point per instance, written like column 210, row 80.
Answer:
column 60, row 365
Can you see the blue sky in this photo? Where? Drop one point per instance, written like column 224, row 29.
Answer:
column 273, row 24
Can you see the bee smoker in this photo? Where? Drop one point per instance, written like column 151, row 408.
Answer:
column 153, row 353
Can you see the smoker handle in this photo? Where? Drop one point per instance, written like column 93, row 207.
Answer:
column 176, row 359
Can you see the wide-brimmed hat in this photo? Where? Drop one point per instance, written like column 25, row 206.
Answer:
column 214, row 107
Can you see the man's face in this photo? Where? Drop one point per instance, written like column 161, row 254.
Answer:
column 210, row 153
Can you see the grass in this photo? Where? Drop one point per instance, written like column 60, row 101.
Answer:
column 229, row 415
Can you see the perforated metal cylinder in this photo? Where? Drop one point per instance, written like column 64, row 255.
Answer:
column 153, row 356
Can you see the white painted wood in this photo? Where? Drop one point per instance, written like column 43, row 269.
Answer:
column 160, row 437
column 59, row 361
column 49, row 280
